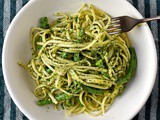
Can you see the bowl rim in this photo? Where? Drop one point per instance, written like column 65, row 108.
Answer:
column 26, row 113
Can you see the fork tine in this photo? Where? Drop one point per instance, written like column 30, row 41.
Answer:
column 116, row 18
column 111, row 29
column 115, row 22
column 115, row 25
column 112, row 33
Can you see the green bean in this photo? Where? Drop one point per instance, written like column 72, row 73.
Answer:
column 60, row 97
column 132, row 68
column 44, row 102
column 63, row 96
column 92, row 90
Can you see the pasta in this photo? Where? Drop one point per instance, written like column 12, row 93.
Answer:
column 76, row 64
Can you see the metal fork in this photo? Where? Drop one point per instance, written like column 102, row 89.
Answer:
column 125, row 23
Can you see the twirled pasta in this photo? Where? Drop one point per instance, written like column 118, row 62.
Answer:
column 76, row 63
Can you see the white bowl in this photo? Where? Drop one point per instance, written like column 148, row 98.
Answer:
column 17, row 48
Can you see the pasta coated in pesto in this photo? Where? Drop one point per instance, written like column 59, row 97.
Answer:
column 76, row 64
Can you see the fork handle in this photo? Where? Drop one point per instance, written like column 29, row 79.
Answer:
column 149, row 19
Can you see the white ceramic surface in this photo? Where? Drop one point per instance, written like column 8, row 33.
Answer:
column 17, row 48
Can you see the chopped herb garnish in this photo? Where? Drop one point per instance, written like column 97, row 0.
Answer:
column 68, row 102
column 52, row 31
column 80, row 36
column 105, row 74
column 65, row 55
column 79, row 40
column 40, row 39
column 81, row 33
column 76, row 57
column 58, row 20
column 39, row 47
column 99, row 63
column 49, row 70
column 44, row 23
column 105, row 38
column 76, row 19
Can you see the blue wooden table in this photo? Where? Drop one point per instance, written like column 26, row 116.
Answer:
column 148, row 8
